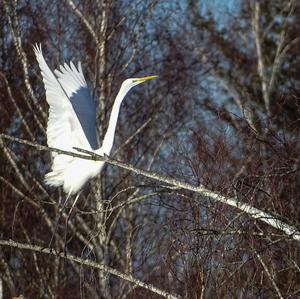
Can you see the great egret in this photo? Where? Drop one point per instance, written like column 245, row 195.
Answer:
column 72, row 123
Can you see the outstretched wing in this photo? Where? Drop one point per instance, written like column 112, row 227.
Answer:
column 64, row 129
column 74, row 85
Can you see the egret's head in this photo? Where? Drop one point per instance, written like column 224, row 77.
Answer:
column 135, row 81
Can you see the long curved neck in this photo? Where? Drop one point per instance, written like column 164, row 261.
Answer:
column 110, row 133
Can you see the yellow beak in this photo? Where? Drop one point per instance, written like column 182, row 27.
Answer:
column 143, row 79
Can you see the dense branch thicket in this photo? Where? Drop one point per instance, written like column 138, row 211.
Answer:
column 224, row 114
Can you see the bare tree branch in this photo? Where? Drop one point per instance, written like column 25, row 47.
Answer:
column 84, row 20
column 92, row 264
column 281, row 50
column 290, row 231
column 269, row 275
column 15, row 30
column 261, row 63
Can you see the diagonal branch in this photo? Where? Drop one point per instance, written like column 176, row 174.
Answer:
column 281, row 49
column 84, row 20
column 270, row 276
column 90, row 263
column 289, row 230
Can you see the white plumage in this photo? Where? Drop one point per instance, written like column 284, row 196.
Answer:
column 67, row 120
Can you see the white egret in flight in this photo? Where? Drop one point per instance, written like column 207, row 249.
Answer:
column 72, row 123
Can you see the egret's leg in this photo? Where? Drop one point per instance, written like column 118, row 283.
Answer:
column 67, row 220
column 57, row 219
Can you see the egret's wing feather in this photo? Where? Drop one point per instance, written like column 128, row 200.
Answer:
column 63, row 128
column 73, row 82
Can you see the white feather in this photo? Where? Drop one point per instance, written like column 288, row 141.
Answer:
column 63, row 128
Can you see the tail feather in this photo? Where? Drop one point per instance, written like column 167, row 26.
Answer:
column 54, row 179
